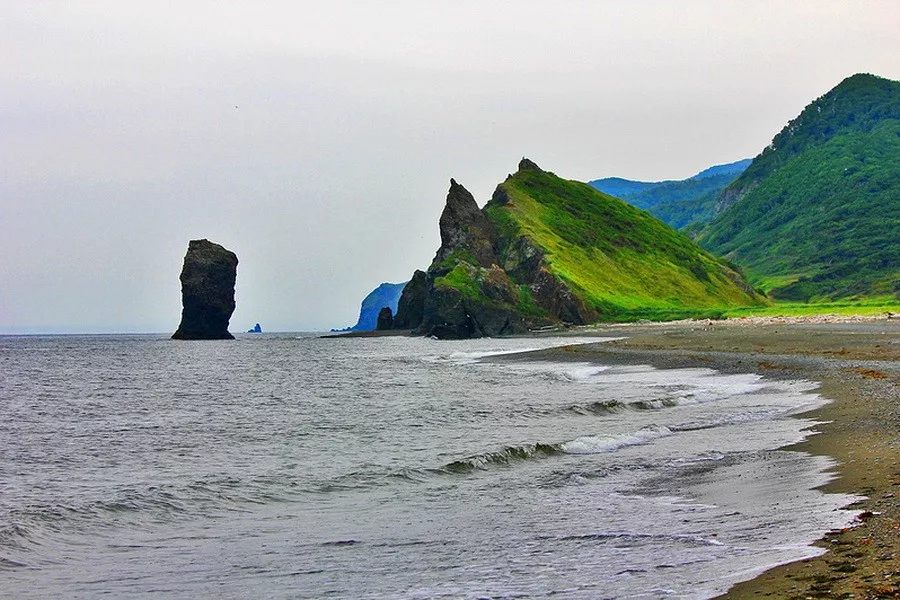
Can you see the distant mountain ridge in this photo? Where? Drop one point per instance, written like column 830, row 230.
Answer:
column 547, row 251
column 734, row 168
column 817, row 214
column 678, row 203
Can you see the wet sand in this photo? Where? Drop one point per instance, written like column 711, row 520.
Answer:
column 857, row 363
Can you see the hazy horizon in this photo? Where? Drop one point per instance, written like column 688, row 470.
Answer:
column 317, row 142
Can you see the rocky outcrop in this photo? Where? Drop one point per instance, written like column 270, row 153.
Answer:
column 207, row 292
column 547, row 251
column 527, row 164
column 554, row 296
column 469, row 291
column 385, row 319
column 451, row 316
column 465, row 229
column 487, row 307
column 411, row 306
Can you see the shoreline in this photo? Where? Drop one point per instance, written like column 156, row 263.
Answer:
column 856, row 364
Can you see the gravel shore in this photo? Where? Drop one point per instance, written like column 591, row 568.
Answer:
column 856, row 360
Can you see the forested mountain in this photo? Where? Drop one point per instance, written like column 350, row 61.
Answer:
column 679, row 202
column 817, row 214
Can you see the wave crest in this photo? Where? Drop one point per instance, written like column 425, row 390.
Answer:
column 508, row 455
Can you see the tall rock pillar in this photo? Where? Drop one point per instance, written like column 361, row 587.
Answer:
column 207, row 292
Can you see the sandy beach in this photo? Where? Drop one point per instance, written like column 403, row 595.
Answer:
column 856, row 361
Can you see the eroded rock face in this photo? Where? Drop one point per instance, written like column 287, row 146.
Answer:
column 450, row 315
column 469, row 249
column 551, row 294
column 207, row 292
column 523, row 260
column 411, row 305
column 464, row 228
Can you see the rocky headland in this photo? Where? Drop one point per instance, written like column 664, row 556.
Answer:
column 547, row 252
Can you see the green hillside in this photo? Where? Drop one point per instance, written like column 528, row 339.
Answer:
column 618, row 258
column 816, row 216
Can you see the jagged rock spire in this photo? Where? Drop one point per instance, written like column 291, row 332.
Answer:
column 464, row 227
column 528, row 165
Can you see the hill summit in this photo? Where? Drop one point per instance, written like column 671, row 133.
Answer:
column 547, row 251
column 817, row 214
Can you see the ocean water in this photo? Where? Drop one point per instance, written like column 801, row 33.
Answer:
column 288, row 466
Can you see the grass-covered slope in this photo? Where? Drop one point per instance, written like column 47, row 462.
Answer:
column 677, row 203
column 817, row 215
column 620, row 260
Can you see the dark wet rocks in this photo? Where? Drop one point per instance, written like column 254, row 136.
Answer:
column 385, row 319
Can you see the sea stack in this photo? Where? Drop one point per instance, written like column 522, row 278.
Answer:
column 385, row 319
column 207, row 292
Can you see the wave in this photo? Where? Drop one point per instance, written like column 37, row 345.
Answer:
column 507, row 456
column 625, row 539
column 583, row 445
column 498, row 347
column 605, row 407
column 131, row 505
column 599, row 444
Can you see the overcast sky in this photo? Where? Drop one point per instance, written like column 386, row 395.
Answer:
column 316, row 139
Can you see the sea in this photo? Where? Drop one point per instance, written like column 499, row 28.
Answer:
column 292, row 466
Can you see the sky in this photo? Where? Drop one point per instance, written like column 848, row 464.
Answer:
column 317, row 140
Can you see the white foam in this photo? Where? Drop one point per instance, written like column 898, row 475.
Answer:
column 488, row 347
column 598, row 444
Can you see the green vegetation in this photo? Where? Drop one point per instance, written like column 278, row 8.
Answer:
column 816, row 217
column 526, row 304
column 868, row 307
column 464, row 278
column 620, row 260
column 681, row 212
